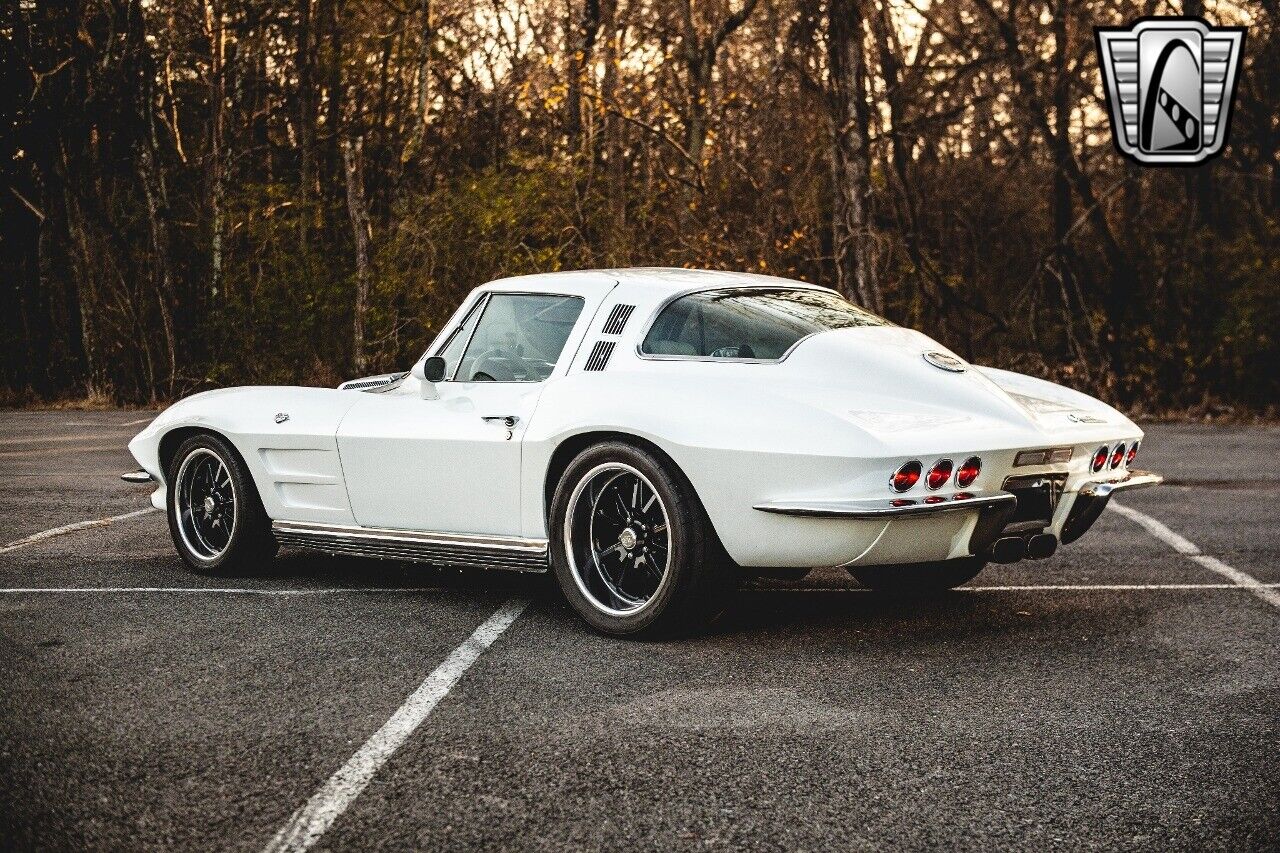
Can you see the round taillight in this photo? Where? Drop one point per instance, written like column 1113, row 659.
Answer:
column 968, row 472
column 939, row 474
column 1133, row 453
column 1117, row 455
column 906, row 476
column 1100, row 458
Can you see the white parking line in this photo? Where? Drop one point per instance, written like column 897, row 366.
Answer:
column 217, row 590
column 374, row 590
column 1079, row 587
column 314, row 818
column 71, row 528
column 101, row 448
column 1266, row 592
column 54, row 439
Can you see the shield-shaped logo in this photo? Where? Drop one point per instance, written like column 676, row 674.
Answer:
column 1169, row 84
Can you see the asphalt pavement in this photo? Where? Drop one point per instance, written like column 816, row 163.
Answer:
column 1124, row 694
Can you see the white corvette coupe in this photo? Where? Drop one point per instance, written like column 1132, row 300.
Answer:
column 652, row 436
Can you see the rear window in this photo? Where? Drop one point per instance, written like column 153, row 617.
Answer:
column 749, row 323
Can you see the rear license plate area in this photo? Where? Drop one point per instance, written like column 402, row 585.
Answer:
column 1038, row 496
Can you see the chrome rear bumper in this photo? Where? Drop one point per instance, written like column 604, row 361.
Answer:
column 1092, row 498
column 883, row 509
column 138, row 476
column 994, row 510
column 880, row 509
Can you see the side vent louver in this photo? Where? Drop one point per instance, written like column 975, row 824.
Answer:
column 599, row 355
column 617, row 319
column 616, row 322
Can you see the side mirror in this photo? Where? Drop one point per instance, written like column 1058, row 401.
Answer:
column 428, row 373
column 433, row 368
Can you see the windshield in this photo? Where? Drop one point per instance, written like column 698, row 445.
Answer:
column 751, row 323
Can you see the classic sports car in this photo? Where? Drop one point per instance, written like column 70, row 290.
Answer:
column 652, row 436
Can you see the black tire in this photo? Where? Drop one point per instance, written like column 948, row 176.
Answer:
column 227, row 530
column 919, row 578
column 627, row 592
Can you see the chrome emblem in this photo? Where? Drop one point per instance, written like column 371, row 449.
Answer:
column 281, row 417
column 1169, row 84
column 1085, row 419
column 942, row 361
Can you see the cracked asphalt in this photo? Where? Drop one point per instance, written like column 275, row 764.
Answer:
column 1139, row 711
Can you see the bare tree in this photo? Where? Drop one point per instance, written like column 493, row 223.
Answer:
column 948, row 164
column 699, row 53
column 361, row 233
column 852, row 238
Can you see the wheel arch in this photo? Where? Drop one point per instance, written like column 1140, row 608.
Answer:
column 173, row 439
column 568, row 449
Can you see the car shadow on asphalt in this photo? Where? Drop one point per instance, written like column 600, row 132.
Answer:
column 826, row 604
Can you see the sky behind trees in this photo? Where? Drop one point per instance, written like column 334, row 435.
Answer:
column 210, row 192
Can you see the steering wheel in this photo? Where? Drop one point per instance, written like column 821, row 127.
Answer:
column 494, row 365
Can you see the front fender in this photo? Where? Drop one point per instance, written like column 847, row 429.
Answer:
column 285, row 435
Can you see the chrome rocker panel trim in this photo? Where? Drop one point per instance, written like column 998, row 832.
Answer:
column 880, row 509
column 451, row 549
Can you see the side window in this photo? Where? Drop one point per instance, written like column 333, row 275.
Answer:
column 452, row 351
column 519, row 338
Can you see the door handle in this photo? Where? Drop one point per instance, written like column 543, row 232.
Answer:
column 508, row 421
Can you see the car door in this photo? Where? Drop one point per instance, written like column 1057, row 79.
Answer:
column 452, row 464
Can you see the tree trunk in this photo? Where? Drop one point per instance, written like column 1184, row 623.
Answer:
column 582, row 43
column 154, row 189
column 304, row 59
column 851, row 232
column 335, row 95
column 217, row 156
column 1062, row 212
column 423, row 63
column 357, row 209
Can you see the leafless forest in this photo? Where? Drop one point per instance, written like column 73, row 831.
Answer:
column 209, row 192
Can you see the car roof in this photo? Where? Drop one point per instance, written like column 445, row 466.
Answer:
column 661, row 280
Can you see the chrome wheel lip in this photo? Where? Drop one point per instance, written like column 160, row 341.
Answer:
column 198, row 549
column 617, row 468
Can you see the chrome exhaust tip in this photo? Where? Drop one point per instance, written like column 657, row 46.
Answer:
column 1041, row 545
column 1009, row 549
